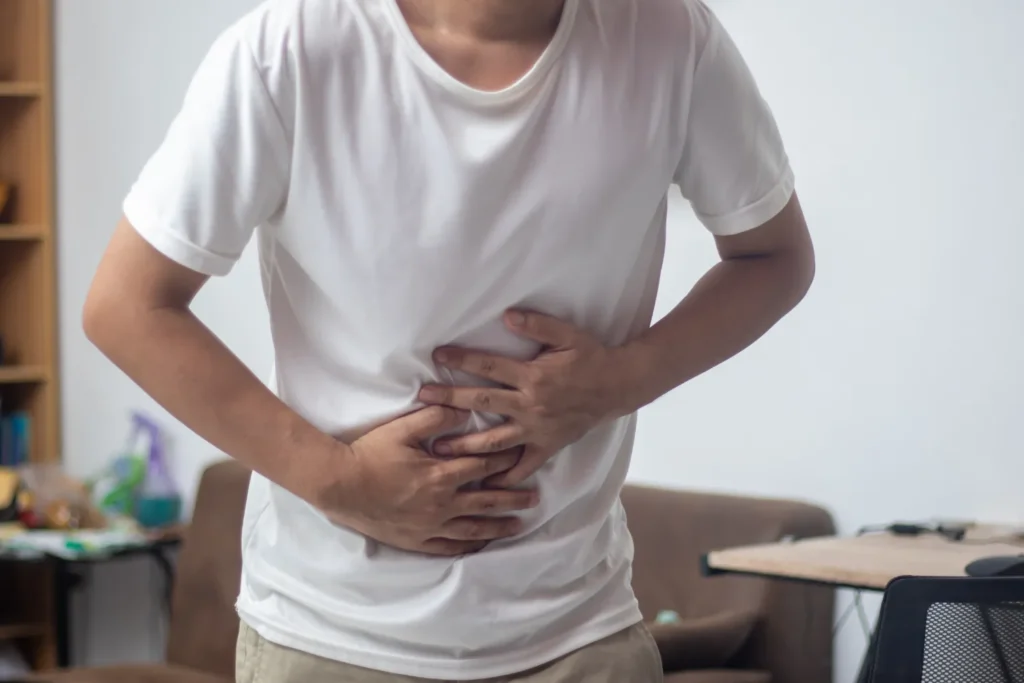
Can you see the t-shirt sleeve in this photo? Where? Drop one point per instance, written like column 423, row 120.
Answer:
column 734, row 169
column 222, row 169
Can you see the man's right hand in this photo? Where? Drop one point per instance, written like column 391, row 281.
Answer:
column 397, row 493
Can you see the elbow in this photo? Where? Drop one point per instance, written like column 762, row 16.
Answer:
column 93, row 315
column 808, row 269
column 803, row 268
column 99, row 319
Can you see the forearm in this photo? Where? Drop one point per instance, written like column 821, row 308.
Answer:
column 180, row 363
column 729, row 309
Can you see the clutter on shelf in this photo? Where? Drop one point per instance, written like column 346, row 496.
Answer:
column 43, row 510
column 137, row 483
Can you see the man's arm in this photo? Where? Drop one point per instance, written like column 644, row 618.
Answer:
column 577, row 383
column 763, row 274
column 382, row 485
column 137, row 313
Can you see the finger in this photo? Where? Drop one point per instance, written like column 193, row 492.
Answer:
column 461, row 471
column 447, row 547
column 479, row 399
column 423, row 424
column 496, row 502
column 529, row 464
column 498, row 369
column 542, row 328
column 501, row 438
column 481, row 528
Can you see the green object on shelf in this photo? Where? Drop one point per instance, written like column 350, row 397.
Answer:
column 118, row 487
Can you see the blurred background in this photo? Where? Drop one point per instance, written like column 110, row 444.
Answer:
column 893, row 392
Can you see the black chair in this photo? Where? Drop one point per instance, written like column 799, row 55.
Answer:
column 951, row 630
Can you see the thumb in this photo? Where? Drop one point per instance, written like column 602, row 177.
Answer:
column 529, row 464
column 423, row 424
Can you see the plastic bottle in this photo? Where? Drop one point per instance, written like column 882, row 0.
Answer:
column 158, row 503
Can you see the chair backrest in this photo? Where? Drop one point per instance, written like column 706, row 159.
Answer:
column 951, row 630
column 204, row 625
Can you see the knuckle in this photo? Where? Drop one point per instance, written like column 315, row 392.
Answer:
column 482, row 401
column 497, row 443
column 436, row 414
column 534, row 376
column 437, row 480
column 541, row 409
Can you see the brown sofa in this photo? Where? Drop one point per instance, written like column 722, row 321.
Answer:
column 732, row 629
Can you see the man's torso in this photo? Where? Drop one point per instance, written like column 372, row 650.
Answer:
column 418, row 211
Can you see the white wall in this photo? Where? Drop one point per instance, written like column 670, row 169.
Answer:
column 889, row 393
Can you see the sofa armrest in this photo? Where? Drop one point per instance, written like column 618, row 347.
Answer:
column 793, row 640
column 673, row 530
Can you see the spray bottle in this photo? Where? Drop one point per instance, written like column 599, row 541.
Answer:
column 158, row 503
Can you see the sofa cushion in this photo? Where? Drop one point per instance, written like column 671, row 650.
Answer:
column 719, row 676
column 130, row 674
column 703, row 642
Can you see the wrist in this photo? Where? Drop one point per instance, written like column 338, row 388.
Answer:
column 629, row 373
column 324, row 476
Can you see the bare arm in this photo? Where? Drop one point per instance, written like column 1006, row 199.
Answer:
column 764, row 273
column 137, row 314
column 577, row 382
column 381, row 485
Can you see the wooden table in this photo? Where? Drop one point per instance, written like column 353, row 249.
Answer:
column 867, row 562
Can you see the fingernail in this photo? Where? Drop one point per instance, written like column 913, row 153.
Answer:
column 442, row 448
column 429, row 395
column 441, row 357
column 516, row 319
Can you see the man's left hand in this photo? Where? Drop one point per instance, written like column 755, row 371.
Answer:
column 551, row 401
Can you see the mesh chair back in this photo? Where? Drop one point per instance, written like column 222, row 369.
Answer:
column 955, row 630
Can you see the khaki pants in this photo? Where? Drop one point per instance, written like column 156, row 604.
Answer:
column 629, row 656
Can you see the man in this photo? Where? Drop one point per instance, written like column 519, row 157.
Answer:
column 460, row 208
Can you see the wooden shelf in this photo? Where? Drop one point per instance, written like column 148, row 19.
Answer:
column 22, row 374
column 17, row 631
column 22, row 233
column 28, row 291
column 20, row 89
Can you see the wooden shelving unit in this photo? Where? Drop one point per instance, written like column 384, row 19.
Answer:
column 28, row 307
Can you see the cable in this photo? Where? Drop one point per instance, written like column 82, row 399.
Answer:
column 856, row 605
column 865, row 623
column 952, row 533
column 842, row 620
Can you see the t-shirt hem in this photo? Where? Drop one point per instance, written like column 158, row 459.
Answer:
column 757, row 214
column 461, row 670
column 170, row 243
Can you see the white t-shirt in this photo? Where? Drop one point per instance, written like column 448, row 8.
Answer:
column 398, row 210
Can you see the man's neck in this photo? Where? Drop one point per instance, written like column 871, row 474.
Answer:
column 514, row 21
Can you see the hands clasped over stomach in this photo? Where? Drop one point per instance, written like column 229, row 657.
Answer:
column 411, row 500
column 407, row 498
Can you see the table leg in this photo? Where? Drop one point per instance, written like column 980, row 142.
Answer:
column 167, row 573
column 65, row 582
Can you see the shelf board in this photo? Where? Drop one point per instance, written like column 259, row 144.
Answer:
column 15, row 631
column 22, row 374
column 20, row 89
column 21, row 233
